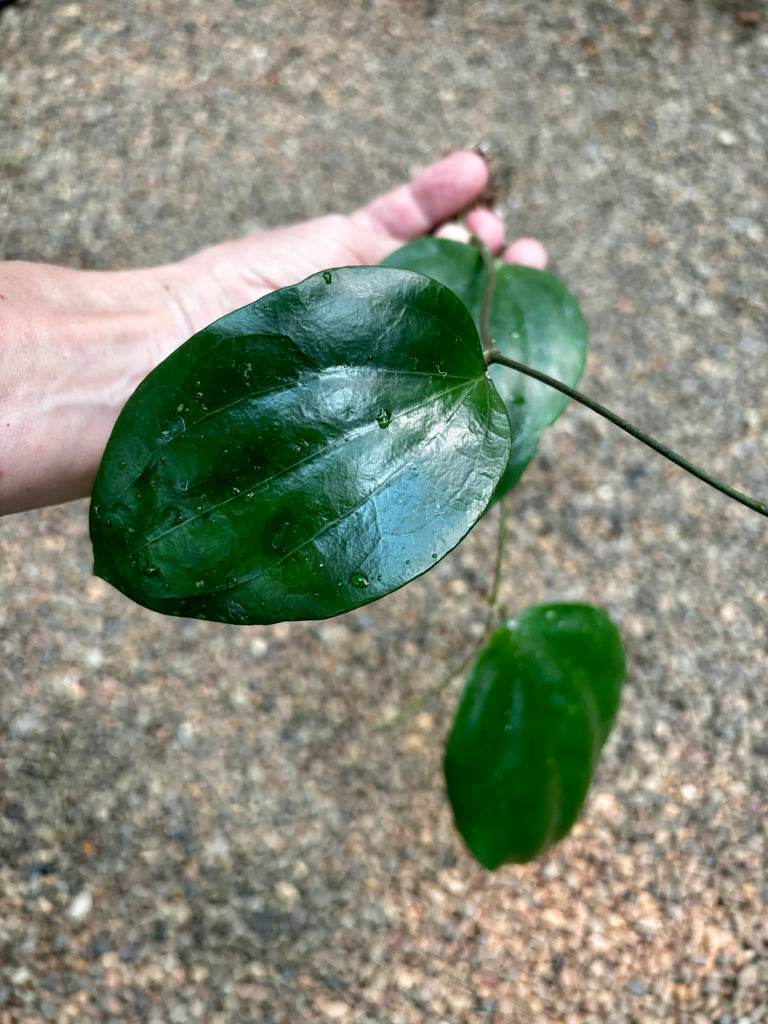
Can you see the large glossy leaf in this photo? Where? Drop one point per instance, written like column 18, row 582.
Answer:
column 534, row 319
column 303, row 455
column 537, row 708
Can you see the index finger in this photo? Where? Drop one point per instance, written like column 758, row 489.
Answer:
column 435, row 195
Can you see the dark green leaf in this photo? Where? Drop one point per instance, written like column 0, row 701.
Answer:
column 304, row 455
column 534, row 319
column 536, row 710
column 459, row 267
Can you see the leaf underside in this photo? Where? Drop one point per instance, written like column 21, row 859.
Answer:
column 534, row 320
column 303, row 455
column 537, row 707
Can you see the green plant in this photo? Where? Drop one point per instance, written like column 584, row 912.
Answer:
column 323, row 446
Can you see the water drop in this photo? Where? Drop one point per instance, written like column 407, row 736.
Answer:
column 231, row 581
column 327, row 276
column 198, row 509
column 434, row 554
column 122, row 464
column 150, row 570
column 248, row 496
column 550, row 615
column 359, row 579
column 235, row 490
column 407, row 561
column 383, row 418
column 199, row 583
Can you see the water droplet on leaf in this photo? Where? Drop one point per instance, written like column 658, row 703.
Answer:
column 327, row 276
column 359, row 579
column 383, row 418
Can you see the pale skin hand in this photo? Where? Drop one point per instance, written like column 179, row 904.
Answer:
column 74, row 344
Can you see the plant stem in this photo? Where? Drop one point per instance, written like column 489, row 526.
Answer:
column 493, row 596
column 494, row 356
column 490, row 283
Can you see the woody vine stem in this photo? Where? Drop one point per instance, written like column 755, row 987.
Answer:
column 492, row 355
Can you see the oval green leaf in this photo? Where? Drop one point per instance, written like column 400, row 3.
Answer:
column 534, row 320
column 303, row 455
column 536, row 710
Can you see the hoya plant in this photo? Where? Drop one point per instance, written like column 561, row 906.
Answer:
column 327, row 444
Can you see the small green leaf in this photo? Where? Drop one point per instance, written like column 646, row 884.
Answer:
column 536, row 710
column 534, row 319
column 303, row 455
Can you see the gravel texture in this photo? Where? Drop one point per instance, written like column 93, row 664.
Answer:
column 202, row 823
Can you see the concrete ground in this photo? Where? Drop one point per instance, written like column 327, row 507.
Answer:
column 202, row 823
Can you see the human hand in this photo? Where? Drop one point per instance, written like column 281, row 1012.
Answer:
column 74, row 344
column 227, row 276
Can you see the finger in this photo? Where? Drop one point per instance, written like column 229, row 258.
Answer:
column 437, row 194
column 488, row 227
column 527, row 252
